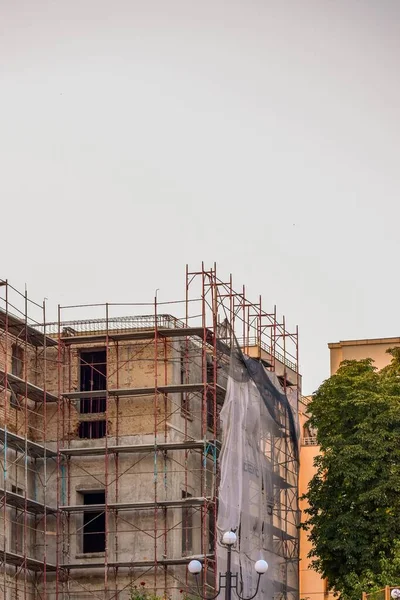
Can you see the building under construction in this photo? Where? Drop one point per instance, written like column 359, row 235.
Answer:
column 132, row 436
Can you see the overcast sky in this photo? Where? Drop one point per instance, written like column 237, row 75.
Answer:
column 139, row 135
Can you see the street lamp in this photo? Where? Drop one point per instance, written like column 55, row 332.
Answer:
column 228, row 580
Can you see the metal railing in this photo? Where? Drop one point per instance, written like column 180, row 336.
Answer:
column 382, row 594
column 309, row 441
column 115, row 324
column 254, row 341
column 141, row 322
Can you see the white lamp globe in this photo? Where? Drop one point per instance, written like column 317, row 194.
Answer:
column 195, row 567
column 261, row 567
column 229, row 538
column 395, row 594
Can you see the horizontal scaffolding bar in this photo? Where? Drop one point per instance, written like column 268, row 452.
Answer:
column 183, row 502
column 18, row 328
column 23, row 445
column 146, row 564
column 30, row 564
column 19, row 501
column 278, row 533
column 282, row 483
column 144, row 391
column 19, row 443
column 19, row 386
column 139, row 448
column 144, row 334
column 203, row 334
column 137, row 564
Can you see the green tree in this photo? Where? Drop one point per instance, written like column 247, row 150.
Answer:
column 353, row 519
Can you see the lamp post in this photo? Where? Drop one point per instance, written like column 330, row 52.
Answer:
column 228, row 580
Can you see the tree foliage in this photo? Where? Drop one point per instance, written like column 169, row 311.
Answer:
column 353, row 519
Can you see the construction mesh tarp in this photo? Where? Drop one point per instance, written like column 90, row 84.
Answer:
column 258, row 479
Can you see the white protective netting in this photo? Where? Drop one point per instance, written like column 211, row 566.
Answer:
column 259, row 429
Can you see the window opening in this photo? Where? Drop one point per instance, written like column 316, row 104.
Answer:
column 94, row 523
column 210, row 409
column 93, row 378
column 17, row 369
column 17, row 525
column 211, row 531
column 210, row 396
column 14, row 400
column 92, row 430
column 187, row 526
column 17, row 361
column 185, row 402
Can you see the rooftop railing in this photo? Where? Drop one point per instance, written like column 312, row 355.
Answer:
column 309, row 441
column 143, row 322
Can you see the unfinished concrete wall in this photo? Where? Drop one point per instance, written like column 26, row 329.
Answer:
column 133, row 535
column 18, row 411
column 86, row 586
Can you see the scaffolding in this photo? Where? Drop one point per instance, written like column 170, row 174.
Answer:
column 110, row 440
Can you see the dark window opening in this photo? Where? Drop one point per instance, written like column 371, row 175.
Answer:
column 94, row 524
column 187, row 526
column 211, row 531
column 210, row 409
column 93, row 378
column 14, row 400
column 17, row 525
column 17, row 369
column 211, row 400
column 17, row 361
column 92, row 430
column 285, row 383
column 210, row 372
column 185, row 402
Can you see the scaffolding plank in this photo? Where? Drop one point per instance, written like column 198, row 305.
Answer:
column 30, row 564
column 278, row 585
column 136, row 505
column 138, row 564
column 201, row 333
column 143, row 391
column 32, row 506
column 21, row 330
column 79, row 395
column 144, row 334
column 19, row 443
column 162, row 389
column 19, row 386
column 139, row 448
column 279, row 533
column 282, row 483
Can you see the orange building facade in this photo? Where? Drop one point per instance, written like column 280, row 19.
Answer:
column 312, row 585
